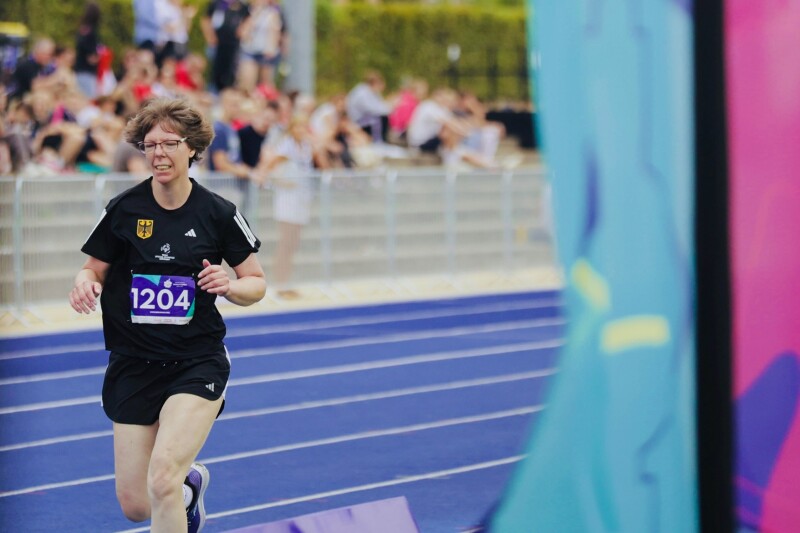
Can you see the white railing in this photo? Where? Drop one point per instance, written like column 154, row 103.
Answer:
column 384, row 223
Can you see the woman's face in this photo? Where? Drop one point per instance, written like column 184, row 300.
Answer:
column 299, row 131
column 167, row 167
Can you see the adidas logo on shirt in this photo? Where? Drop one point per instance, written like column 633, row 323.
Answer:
column 191, row 233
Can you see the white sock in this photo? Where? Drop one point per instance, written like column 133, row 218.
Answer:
column 187, row 495
column 490, row 140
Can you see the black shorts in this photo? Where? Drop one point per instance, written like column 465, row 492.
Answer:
column 135, row 389
column 431, row 145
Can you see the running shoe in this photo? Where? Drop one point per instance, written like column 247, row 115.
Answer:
column 198, row 479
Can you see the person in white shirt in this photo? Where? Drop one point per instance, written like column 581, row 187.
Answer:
column 367, row 107
column 289, row 167
column 435, row 128
column 174, row 20
column 260, row 52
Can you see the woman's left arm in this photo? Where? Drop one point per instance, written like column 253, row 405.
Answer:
column 248, row 288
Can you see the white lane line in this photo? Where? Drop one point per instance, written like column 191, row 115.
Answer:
column 41, row 406
column 400, row 337
column 324, row 371
column 520, row 411
column 323, row 345
column 392, row 318
column 399, row 361
column 361, row 488
column 52, row 376
column 61, row 485
column 306, row 326
column 57, row 440
column 343, row 400
column 487, row 417
column 397, row 393
column 53, row 350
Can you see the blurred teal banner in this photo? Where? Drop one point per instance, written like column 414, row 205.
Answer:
column 615, row 448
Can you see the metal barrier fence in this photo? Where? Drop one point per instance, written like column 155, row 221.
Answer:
column 383, row 224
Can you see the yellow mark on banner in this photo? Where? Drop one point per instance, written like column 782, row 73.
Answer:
column 634, row 332
column 591, row 285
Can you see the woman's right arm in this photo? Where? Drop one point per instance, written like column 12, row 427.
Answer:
column 88, row 285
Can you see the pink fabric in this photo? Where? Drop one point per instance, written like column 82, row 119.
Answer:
column 763, row 69
column 401, row 114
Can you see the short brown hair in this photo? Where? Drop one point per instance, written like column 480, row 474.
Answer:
column 173, row 114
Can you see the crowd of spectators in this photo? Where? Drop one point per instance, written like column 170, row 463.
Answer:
column 64, row 107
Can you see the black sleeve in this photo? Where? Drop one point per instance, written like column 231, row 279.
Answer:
column 102, row 244
column 239, row 240
column 23, row 77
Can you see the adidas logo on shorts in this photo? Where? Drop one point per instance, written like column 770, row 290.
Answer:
column 191, row 233
column 210, row 387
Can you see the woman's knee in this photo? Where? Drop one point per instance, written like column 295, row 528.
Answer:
column 164, row 479
column 135, row 507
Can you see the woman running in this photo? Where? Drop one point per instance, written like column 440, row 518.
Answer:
column 155, row 262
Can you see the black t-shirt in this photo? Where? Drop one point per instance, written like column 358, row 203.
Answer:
column 155, row 254
column 250, row 142
column 23, row 77
column 226, row 17
column 86, row 44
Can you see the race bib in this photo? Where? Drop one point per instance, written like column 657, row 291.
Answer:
column 162, row 299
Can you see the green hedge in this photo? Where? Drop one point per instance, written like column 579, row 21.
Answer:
column 405, row 39
column 59, row 19
column 398, row 39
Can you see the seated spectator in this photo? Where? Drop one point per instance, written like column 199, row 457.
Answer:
column 337, row 139
column 21, row 119
column 485, row 135
column 324, row 123
column 225, row 151
column 15, row 150
column 367, row 108
column 57, row 139
column 303, row 105
column 100, row 144
column 136, row 83
column 56, row 146
column 31, row 71
column 74, row 106
column 190, row 73
column 255, row 135
column 59, row 76
column 435, row 128
column 166, row 84
column 413, row 92
column 128, row 159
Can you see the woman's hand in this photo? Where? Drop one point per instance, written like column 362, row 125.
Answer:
column 214, row 279
column 83, row 297
column 88, row 285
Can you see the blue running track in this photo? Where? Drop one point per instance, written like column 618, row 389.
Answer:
column 431, row 400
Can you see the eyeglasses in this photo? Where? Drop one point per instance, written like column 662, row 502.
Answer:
column 167, row 146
